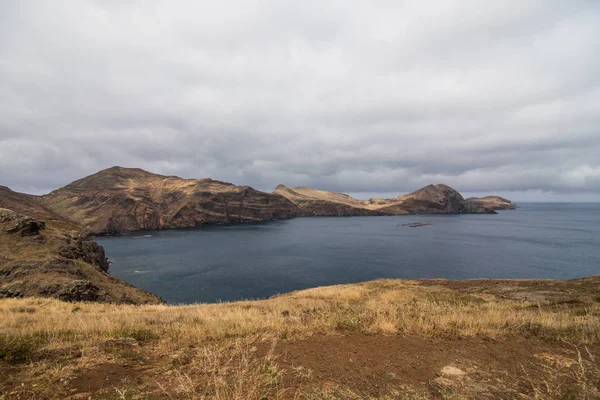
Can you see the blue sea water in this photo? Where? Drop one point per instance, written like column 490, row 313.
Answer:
column 248, row 261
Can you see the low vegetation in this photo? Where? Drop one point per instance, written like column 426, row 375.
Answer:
column 55, row 260
column 279, row 348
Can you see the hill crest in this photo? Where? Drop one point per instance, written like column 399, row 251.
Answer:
column 119, row 199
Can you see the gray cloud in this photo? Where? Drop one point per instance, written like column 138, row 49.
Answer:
column 363, row 98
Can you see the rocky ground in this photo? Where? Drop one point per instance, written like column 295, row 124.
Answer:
column 43, row 260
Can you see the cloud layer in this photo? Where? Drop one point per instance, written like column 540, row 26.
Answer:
column 353, row 97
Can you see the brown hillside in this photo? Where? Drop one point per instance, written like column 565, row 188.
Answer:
column 312, row 202
column 432, row 199
column 32, row 206
column 119, row 199
column 492, row 202
column 45, row 260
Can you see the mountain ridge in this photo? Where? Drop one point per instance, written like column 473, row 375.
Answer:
column 431, row 199
column 118, row 200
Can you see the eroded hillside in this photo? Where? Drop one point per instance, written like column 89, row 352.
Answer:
column 118, row 200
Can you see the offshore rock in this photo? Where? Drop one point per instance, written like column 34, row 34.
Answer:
column 492, row 202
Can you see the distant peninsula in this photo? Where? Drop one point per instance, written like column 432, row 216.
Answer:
column 119, row 200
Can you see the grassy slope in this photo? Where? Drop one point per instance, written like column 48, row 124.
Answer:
column 302, row 193
column 469, row 339
column 34, row 264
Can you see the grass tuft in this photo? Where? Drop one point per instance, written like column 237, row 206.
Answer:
column 19, row 348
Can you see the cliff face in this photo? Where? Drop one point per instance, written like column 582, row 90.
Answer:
column 39, row 259
column 119, row 199
column 492, row 202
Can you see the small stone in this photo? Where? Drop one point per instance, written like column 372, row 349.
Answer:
column 449, row 370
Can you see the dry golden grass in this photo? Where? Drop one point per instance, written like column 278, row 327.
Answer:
column 215, row 342
column 383, row 306
column 303, row 193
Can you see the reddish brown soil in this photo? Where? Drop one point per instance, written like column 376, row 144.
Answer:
column 368, row 365
column 372, row 365
column 7, row 378
column 106, row 376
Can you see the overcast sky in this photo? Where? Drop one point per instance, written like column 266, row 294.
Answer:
column 369, row 97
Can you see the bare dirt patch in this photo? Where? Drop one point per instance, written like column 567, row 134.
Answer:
column 377, row 365
column 103, row 378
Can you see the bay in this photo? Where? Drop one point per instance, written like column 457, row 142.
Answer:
column 258, row 260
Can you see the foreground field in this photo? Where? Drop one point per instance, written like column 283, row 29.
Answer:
column 386, row 339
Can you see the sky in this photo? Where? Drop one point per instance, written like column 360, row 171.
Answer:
column 372, row 98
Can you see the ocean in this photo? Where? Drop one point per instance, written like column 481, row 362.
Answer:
column 258, row 260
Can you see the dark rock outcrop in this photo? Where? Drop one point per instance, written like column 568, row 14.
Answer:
column 85, row 249
column 81, row 291
column 15, row 223
column 32, row 206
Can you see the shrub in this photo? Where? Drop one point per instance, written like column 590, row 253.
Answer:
column 18, row 348
column 139, row 334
